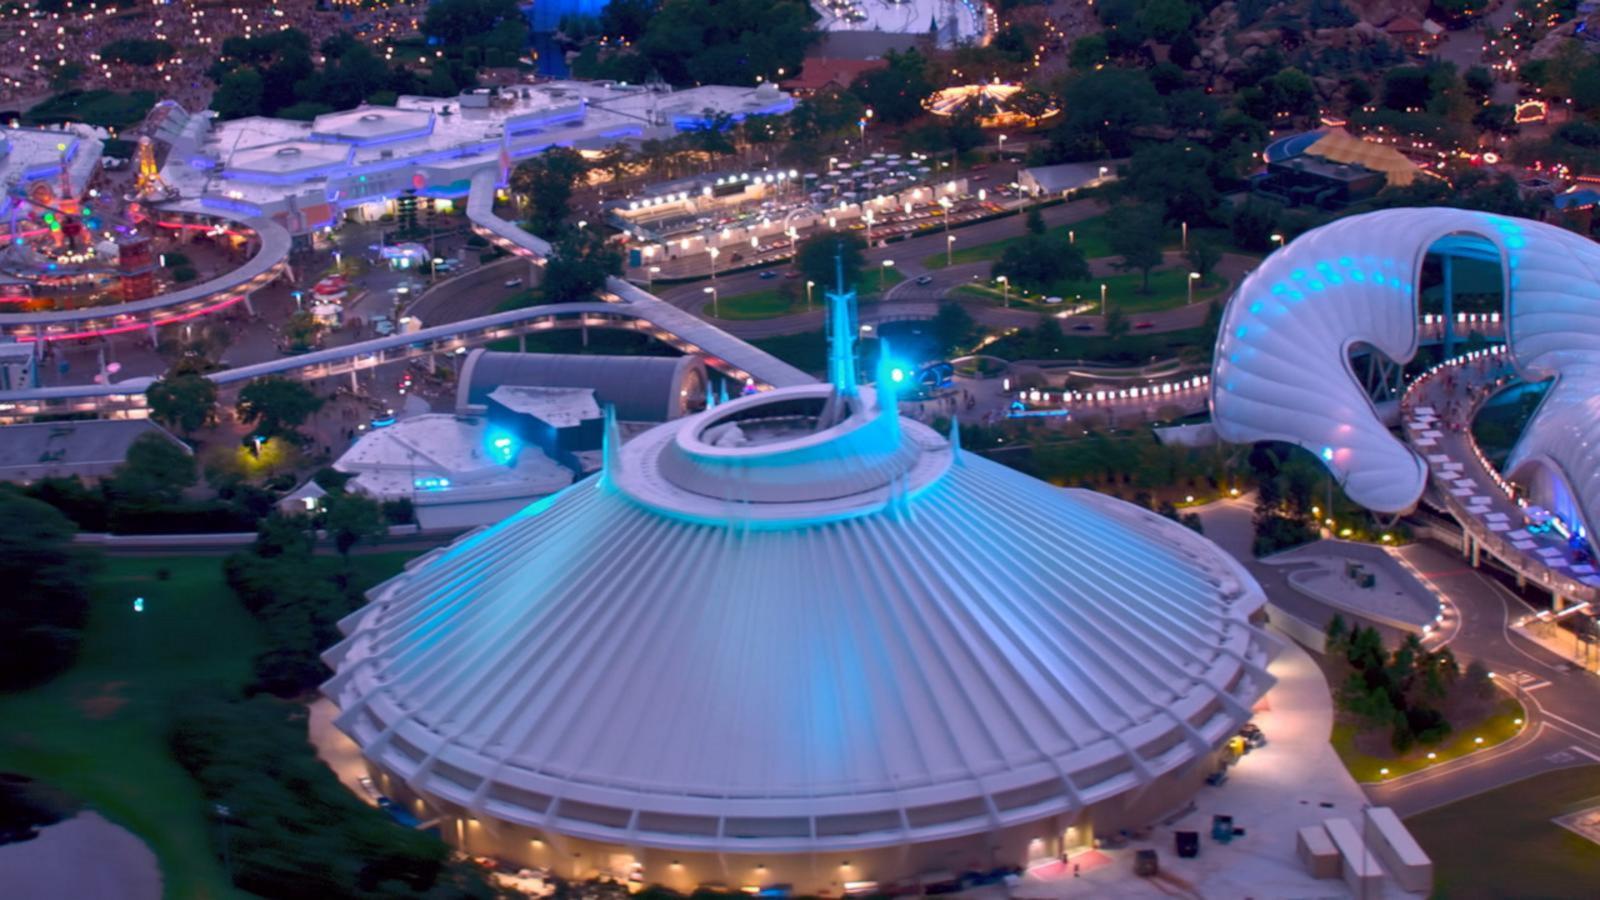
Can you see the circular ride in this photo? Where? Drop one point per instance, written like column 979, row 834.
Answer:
column 993, row 105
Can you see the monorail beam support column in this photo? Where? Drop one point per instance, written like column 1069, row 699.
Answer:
column 584, row 326
column 1558, row 602
column 433, row 363
column 522, row 343
column 1477, row 552
column 249, row 306
column 1522, row 582
column 355, row 386
column 1449, row 306
column 155, row 341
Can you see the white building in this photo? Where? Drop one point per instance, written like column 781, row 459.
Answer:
column 42, row 168
column 307, row 174
column 796, row 640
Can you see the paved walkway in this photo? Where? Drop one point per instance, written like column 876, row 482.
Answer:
column 85, row 856
column 1437, row 413
column 1294, row 781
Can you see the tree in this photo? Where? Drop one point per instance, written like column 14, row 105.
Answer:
column 460, row 21
column 1102, row 111
column 1254, row 223
column 156, row 470
column 581, row 263
column 1034, row 222
column 1087, row 52
column 1177, row 178
column 46, row 599
column 277, row 407
column 1164, row 20
column 1136, row 236
column 895, row 93
column 239, row 94
column 1203, row 256
column 1116, row 323
column 1037, row 263
column 353, row 518
column 815, row 258
column 1292, row 93
column 301, row 331
column 186, row 401
column 952, row 327
column 547, row 181
column 1407, row 87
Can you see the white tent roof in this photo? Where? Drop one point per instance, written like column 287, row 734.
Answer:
column 1281, row 370
column 820, row 639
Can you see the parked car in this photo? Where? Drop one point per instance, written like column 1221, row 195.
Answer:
column 925, row 279
column 768, row 275
column 1145, row 324
column 513, row 283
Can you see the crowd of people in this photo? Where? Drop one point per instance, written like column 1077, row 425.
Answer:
column 56, row 40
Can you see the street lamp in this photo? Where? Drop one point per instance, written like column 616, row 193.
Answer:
column 949, row 249
column 1277, row 239
column 650, row 278
column 832, row 161
column 882, row 271
column 1102, row 299
column 713, row 292
column 809, row 286
column 1005, row 290
column 714, row 254
column 869, row 227
column 1185, row 245
column 1000, row 145
column 1193, row 277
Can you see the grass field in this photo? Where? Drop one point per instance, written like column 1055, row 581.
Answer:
column 98, row 732
column 1503, row 725
column 1168, row 290
column 1503, row 843
column 770, row 303
column 1090, row 236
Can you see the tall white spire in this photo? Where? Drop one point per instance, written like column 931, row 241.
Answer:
column 841, row 332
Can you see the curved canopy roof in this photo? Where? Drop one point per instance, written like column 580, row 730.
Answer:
column 757, row 630
column 1282, row 371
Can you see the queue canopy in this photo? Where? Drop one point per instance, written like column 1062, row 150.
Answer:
column 1341, row 146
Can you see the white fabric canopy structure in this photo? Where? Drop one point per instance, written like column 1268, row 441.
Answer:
column 1282, row 364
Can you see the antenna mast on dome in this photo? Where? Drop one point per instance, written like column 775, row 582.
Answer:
column 841, row 331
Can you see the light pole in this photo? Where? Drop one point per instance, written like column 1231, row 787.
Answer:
column 1005, row 290
column 794, row 235
column 650, row 278
column 714, row 254
column 715, row 314
column 1185, row 245
column 949, row 250
column 832, row 161
column 1000, row 145
column 1102, row 300
column 1193, row 277
column 883, row 272
column 1277, row 239
column 862, row 122
column 869, row 227
column 809, row 286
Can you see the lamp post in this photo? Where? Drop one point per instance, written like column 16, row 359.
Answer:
column 1193, row 277
column 714, row 309
column 809, row 286
column 650, row 278
column 1277, row 239
column 949, row 250
column 882, row 272
column 1005, row 290
column 1185, row 240
column 868, row 217
column 714, row 254
column 1102, row 299
column 1000, row 145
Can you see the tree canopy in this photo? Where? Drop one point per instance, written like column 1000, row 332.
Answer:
column 46, row 598
column 186, row 401
column 277, row 407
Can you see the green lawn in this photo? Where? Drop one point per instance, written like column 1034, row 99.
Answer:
column 1168, row 290
column 1503, row 843
column 767, row 304
column 1503, row 725
column 98, row 732
column 1090, row 236
column 770, row 303
column 521, row 300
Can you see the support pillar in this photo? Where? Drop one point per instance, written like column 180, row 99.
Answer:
column 1449, row 307
column 433, row 363
column 154, row 340
column 522, row 343
column 1477, row 550
column 1558, row 602
column 354, row 385
column 249, row 307
column 585, row 328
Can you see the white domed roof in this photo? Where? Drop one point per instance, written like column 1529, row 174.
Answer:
column 900, row 642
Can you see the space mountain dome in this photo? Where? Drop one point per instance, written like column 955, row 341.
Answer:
column 796, row 639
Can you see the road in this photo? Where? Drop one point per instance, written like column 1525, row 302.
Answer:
column 1561, row 698
column 908, row 256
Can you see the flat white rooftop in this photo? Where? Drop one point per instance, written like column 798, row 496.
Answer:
column 436, row 457
column 559, row 407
